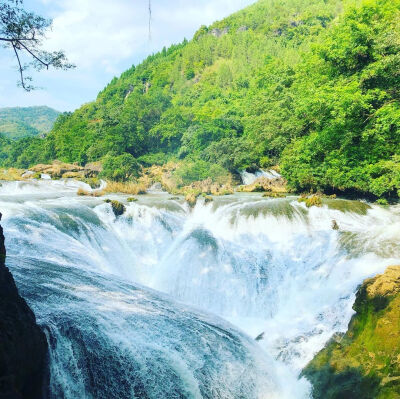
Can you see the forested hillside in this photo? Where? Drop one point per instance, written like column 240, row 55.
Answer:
column 21, row 122
column 311, row 85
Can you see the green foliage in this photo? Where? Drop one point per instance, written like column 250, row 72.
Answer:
column 159, row 158
column 194, row 98
column 352, row 117
column 199, row 170
column 382, row 201
column 306, row 84
column 120, row 167
column 30, row 121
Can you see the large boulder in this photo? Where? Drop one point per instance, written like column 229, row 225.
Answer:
column 23, row 345
column 364, row 362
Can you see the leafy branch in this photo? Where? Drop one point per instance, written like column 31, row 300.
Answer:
column 23, row 32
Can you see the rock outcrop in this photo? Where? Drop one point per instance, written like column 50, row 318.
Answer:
column 23, row 345
column 265, row 184
column 364, row 362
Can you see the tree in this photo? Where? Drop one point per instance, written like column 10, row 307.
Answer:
column 120, row 167
column 23, row 32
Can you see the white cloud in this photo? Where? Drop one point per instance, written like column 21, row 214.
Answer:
column 104, row 38
column 102, row 33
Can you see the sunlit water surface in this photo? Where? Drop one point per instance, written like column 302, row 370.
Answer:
column 165, row 302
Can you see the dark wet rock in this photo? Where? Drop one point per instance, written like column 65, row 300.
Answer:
column 208, row 198
column 260, row 337
column 118, row 208
column 23, row 345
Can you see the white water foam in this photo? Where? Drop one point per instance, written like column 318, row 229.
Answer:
column 266, row 265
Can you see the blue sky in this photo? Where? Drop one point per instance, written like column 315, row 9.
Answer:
column 104, row 38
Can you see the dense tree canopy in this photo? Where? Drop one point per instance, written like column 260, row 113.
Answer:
column 311, row 85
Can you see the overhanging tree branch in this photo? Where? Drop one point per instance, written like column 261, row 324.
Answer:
column 33, row 55
column 20, row 67
column 24, row 32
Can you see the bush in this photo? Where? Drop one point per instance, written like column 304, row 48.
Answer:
column 311, row 201
column 120, row 168
column 382, row 201
column 158, row 158
column 190, row 74
column 198, row 170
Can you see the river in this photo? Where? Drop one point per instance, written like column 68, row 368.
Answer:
column 166, row 301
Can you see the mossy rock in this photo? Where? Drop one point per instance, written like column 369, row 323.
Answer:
column 94, row 182
column 117, row 207
column 364, row 362
column 191, row 199
column 132, row 199
column 314, row 200
column 208, row 199
column 271, row 194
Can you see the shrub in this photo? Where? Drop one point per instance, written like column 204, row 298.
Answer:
column 158, row 158
column 314, row 200
column 125, row 188
column 120, row 168
column 198, row 170
column 382, row 201
column 190, row 74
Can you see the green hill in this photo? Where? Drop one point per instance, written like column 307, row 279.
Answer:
column 19, row 122
column 312, row 85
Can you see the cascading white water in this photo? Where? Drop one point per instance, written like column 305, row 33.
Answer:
column 265, row 265
column 249, row 178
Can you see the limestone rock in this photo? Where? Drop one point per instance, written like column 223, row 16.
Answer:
column 365, row 362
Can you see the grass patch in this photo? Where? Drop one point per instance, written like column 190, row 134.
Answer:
column 11, row 174
column 82, row 192
column 133, row 188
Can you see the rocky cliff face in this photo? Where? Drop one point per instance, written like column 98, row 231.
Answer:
column 23, row 346
column 365, row 362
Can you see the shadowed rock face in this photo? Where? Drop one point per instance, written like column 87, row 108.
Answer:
column 23, row 346
column 365, row 362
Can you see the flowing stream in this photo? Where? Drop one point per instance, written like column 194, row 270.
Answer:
column 165, row 302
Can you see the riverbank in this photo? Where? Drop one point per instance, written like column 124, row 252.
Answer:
column 168, row 178
column 175, row 179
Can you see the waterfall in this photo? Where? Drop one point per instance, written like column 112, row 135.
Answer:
column 249, row 178
column 166, row 301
